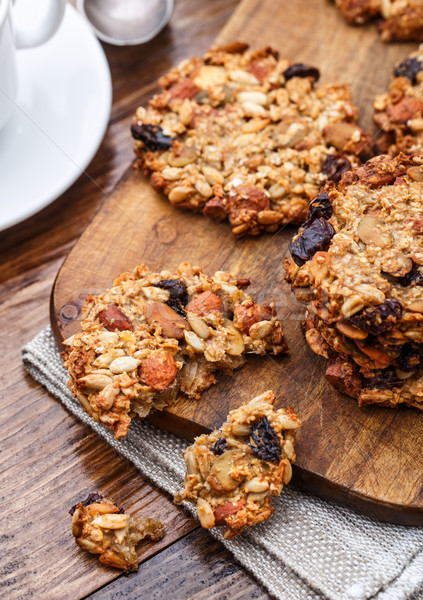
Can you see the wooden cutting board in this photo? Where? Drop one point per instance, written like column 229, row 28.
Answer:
column 370, row 458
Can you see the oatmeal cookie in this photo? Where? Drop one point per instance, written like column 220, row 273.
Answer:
column 233, row 472
column 243, row 135
column 358, row 262
column 399, row 112
column 101, row 527
column 154, row 334
column 401, row 19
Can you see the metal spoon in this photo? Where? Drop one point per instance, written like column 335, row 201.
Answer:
column 126, row 22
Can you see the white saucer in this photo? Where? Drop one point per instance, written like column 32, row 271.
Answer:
column 61, row 116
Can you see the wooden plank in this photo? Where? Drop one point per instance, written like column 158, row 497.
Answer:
column 197, row 567
column 367, row 458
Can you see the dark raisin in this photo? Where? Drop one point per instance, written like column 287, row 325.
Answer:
column 301, row 70
column 220, row 446
column 320, row 207
column 409, row 69
column 386, row 379
column 335, row 165
column 409, row 359
column 413, row 276
column 264, row 442
column 94, row 497
column 315, row 237
column 178, row 294
column 378, row 319
column 152, row 136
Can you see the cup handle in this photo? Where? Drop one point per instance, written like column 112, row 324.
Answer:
column 48, row 27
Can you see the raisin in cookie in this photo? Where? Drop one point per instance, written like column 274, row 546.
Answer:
column 243, row 135
column 357, row 262
column 154, row 334
column 101, row 527
column 233, row 472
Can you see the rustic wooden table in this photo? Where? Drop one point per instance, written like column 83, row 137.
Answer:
column 49, row 460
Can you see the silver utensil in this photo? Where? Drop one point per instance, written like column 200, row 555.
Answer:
column 126, row 22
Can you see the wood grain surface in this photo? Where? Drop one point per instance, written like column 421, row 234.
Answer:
column 48, row 459
column 367, row 458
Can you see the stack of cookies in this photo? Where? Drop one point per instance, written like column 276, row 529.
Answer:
column 357, row 262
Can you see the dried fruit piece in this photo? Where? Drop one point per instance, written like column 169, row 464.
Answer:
column 90, row 499
column 412, row 277
column 152, row 136
column 385, row 380
column 178, row 294
column 113, row 319
column 335, row 165
column 409, row 359
column 264, row 442
column 378, row 319
column 220, row 446
column 312, row 239
column 319, row 208
column 301, row 70
column 409, row 69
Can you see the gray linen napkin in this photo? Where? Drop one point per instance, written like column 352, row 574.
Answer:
column 310, row 549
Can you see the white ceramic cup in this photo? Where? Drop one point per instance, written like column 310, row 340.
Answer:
column 12, row 38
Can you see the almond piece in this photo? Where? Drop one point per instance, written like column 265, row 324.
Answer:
column 224, row 511
column 351, row 332
column 114, row 319
column 220, row 473
column 158, row 371
column 205, row 303
column 248, row 314
column 371, row 231
column 161, row 316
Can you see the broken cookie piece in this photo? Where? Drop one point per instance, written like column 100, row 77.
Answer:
column 154, row 334
column 233, row 472
column 358, row 263
column 246, row 136
column 101, row 527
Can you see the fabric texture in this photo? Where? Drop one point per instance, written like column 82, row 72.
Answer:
column 310, row 549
